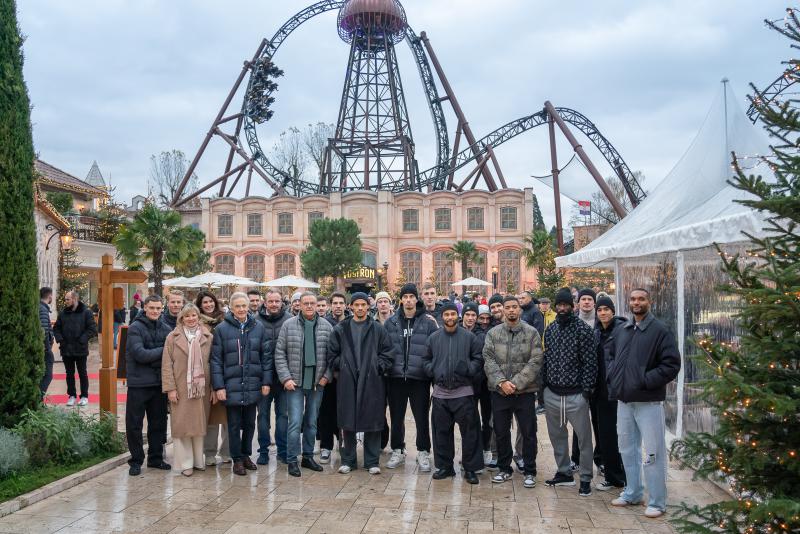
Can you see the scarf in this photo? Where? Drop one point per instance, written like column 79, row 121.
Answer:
column 309, row 351
column 195, row 374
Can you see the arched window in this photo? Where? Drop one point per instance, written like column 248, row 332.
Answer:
column 508, row 271
column 284, row 265
column 224, row 264
column 442, row 272
column 368, row 259
column 254, row 267
column 411, row 264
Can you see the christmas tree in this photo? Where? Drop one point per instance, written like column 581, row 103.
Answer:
column 755, row 389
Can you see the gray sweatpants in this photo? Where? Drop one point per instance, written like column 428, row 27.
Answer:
column 572, row 409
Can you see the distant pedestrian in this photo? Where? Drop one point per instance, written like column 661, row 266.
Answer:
column 74, row 328
column 646, row 359
column 322, row 305
column 186, row 379
column 45, row 298
column 254, row 301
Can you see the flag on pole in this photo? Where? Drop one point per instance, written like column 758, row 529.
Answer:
column 585, row 207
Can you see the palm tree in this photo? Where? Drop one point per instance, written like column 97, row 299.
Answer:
column 157, row 235
column 539, row 252
column 465, row 252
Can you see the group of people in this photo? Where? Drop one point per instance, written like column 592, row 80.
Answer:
column 329, row 370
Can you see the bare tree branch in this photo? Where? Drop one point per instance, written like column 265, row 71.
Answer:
column 166, row 172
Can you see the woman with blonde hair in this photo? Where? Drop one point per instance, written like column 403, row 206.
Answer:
column 186, row 379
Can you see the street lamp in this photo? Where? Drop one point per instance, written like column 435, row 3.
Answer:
column 66, row 239
column 494, row 278
column 379, row 276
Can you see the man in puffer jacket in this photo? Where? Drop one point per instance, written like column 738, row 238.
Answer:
column 301, row 362
column 409, row 329
column 512, row 353
column 241, row 373
column 453, row 361
column 570, row 374
column 146, row 337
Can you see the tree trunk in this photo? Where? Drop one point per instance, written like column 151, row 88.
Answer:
column 463, row 275
column 158, row 275
column 340, row 284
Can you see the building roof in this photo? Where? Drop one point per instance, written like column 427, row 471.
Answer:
column 55, row 177
column 95, row 177
column 49, row 209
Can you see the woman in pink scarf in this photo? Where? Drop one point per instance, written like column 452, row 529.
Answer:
column 186, row 379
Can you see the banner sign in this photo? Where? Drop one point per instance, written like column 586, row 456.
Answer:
column 361, row 272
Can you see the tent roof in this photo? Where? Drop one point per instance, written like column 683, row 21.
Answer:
column 694, row 205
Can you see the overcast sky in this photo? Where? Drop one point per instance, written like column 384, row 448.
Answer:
column 116, row 81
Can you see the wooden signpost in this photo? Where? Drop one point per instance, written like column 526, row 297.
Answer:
column 108, row 370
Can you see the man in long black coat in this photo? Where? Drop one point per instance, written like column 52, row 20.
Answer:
column 361, row 353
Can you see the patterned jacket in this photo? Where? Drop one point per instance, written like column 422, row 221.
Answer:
column 515, row 354
column 570, row 357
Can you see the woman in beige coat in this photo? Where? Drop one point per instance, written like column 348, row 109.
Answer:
column 186, row 379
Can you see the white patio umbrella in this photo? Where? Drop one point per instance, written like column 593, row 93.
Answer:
column 212, row 279
column 180, row 281
column 472, row 281
column 292, row 281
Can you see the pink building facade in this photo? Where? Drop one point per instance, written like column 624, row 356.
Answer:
column 262, row 238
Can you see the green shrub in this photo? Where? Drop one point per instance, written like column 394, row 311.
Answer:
column 13, row 454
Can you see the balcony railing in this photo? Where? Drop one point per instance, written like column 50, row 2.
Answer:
column 89, row 234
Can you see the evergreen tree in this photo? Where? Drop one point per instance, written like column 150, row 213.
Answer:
column 334, row 248
column 61, row 201
column 755, row 389
column 21, row 338
column 538, row 220
column 541, row 254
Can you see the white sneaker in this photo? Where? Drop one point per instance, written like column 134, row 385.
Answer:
column 424, row 461
column 652, row 513
column 71, row 401
column 344, row 469
column 325, row 456
column 619, row 501
column 83, row 402
column 211, row 460
column 374, row 470
column 397, row 459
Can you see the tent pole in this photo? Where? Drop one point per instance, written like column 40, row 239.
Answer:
column 680, row 326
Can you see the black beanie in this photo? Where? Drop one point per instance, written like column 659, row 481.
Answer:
column 471, row 306
column 450, row 306
column 605, row 301
column 409, row 288
column 496, row 298
column 358, row 295
column 564, row 296
column 587, row 291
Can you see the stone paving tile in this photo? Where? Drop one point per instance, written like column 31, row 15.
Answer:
column 396, row 501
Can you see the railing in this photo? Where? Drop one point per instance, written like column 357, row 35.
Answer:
column 89, row 234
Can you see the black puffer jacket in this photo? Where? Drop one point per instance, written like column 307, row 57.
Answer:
column 645, row 360
column 534, row 317
column 73, row 330
column 169, row 320
column 272, row 323
column 241, row 361
column 44, row 319
column 409, row 338
column 331, row 319
column 605, row 337
column 453, row 360
column 570, row 357
column 143, row 353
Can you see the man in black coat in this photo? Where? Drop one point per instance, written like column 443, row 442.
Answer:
column 241, row 373
column 530, row 312
column 45, row 298
column 453, row 360
column 146, row 337
column 272, row 315
column 360, row 352
column 408, row 383
column 74, row 328
column 646, row 359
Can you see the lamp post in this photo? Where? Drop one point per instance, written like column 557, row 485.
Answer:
column 494, row 278
column 379, row 278
column 66, row 239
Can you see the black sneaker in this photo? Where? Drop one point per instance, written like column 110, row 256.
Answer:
column 164, row 466
column 135, row 470
column 561, row 480
column 294, row 469
column 585, row 489
column 607, row 486
column 263, row 458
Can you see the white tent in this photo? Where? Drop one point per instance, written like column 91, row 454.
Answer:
column 471, row 281
column 291, row 281
column 693, row 206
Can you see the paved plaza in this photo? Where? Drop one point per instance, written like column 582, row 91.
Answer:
column 401, row 500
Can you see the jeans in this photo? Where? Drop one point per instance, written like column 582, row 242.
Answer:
column 150, row 402
column 275, row 398
column 303, row 409
column 418, row 393
column 504, row 407
column 70, row 364
column 642, row 423
column 241, row 427
column 48, row 372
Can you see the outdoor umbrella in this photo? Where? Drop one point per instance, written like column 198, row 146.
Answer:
column 471, row 281
column 292, row 281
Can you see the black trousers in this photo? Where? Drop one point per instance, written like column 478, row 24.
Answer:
column 609, row 447
column 483, row 400
column 445, row 414
column 48, row 372
column 597, row 457
column 418, row 393
column 70, row 364
column 504, row 408
column 241, row 429
column 150, row 402
column 327, row 423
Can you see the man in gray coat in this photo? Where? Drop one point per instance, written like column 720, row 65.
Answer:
column 302, row 366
